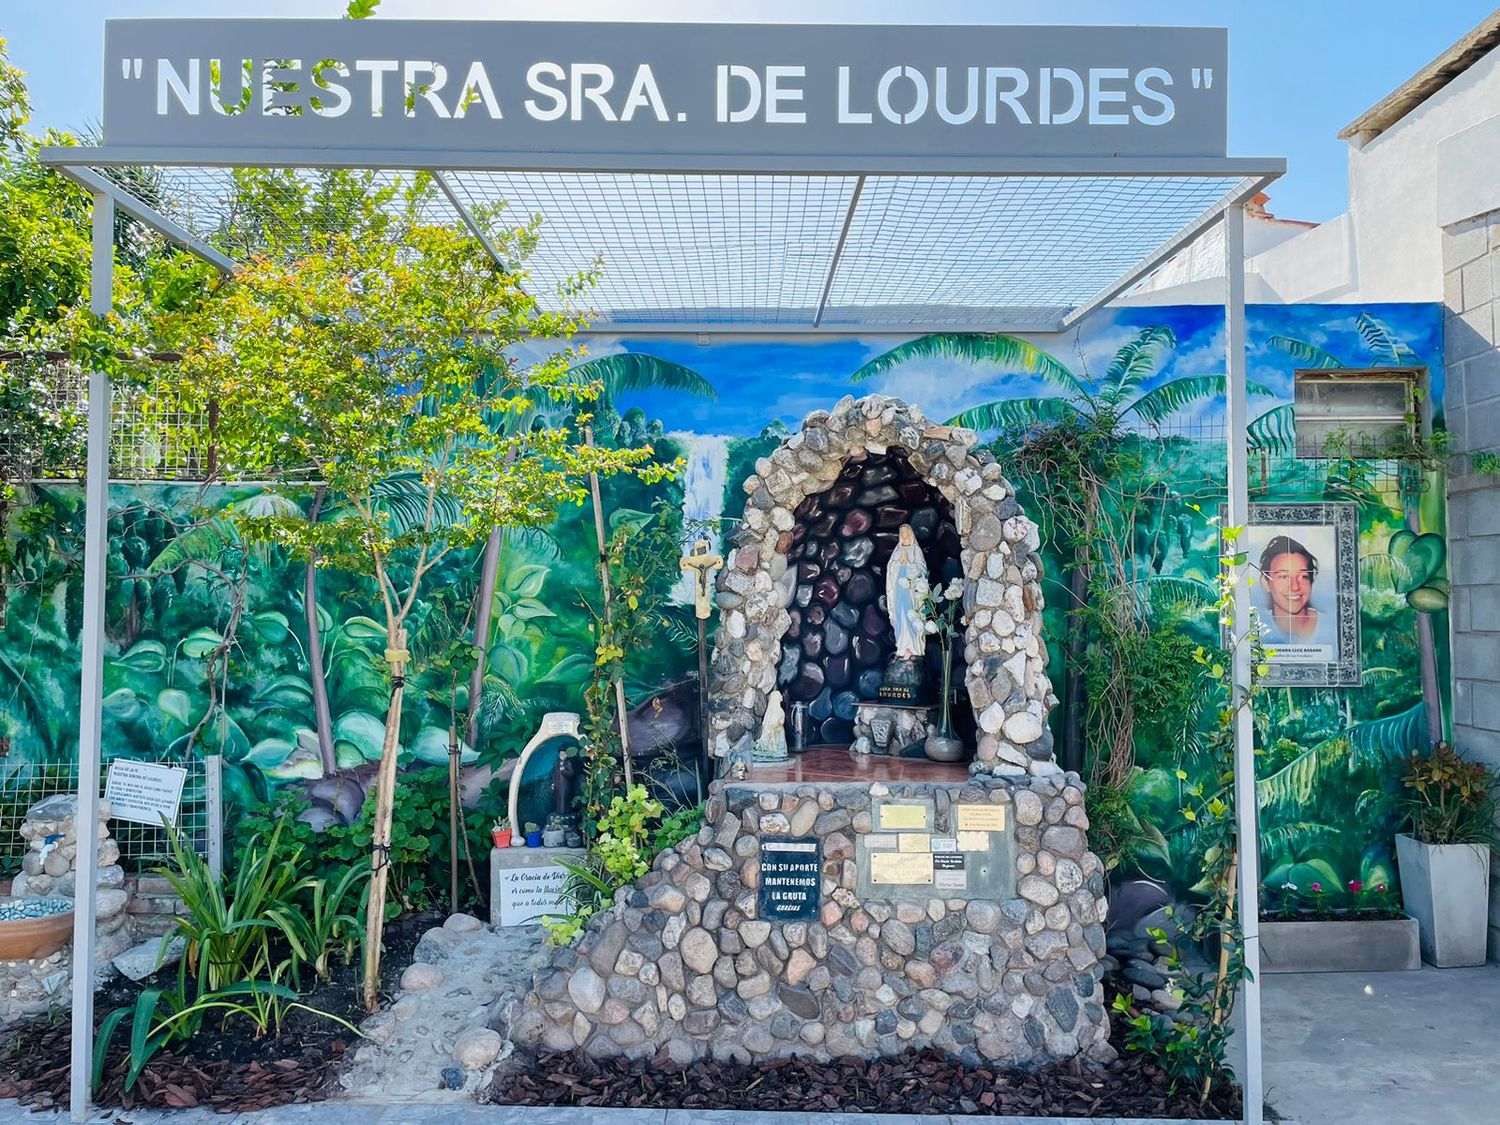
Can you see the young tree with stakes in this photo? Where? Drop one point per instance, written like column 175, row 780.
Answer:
column 359, row 362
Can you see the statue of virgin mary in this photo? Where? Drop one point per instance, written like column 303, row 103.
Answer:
column 905, row 584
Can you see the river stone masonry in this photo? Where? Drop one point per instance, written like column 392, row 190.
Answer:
column 680, row 963
column 1004, row 657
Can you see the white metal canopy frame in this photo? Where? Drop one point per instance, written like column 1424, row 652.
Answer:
column 735, row 180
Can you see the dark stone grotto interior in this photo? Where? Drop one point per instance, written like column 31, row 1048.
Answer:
column 835, row 650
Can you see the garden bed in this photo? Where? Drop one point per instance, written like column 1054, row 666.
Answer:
column 225, row 1068
column 917, row 1082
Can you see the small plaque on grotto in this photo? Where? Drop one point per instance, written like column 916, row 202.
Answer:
column 791, row 878
column 904, row 814
column 948, row 872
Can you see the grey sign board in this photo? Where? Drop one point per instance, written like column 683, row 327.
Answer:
column 663, row 95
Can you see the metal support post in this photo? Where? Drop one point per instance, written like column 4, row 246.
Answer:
column 1246, row 810
column 91, row 680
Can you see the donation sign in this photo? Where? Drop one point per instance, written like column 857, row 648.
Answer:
column 667, row 96
column 144, row 792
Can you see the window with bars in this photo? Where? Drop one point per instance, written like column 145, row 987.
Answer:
column 1363, row 412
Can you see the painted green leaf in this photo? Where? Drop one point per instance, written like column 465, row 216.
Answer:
column 508, row 664
column 364, row 630
column 431, row 745
column 288, row 690
column 270, row 626
column 145, row 656
column 530, row 609
column 177, row 704
column 200, row 643
column 270, row 752
column 123, row 705
column 1428, row 599
column 573, row 669
column 525, row 581
column 299, row 764
column 1423, row 556
column 361, row 730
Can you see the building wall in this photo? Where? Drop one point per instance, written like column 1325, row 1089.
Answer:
column 1471, row 282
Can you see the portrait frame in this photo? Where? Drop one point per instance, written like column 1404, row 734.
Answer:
column 1320, row 526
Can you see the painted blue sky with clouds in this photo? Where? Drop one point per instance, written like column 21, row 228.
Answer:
column 764, row 380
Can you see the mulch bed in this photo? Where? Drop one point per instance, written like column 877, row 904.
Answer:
column 916, row 1082
column 224, row 1067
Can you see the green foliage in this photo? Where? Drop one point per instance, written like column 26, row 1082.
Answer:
column 675, row 827
column 1116, row 831
column 361, row 9
column 233, row 962
column 1449, row 799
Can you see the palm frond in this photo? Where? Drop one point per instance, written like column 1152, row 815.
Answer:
column 636, row 371
column 1160, row 403
column 402, row 499
column 1274, row 432
column 1137, row 359
column 1308, row 355
column 1382, row 343
column 1391, row 738
column 1008, row 354
column 1293, row 787
column 1159, row 594
column 1288, row 839
column 1015, row 414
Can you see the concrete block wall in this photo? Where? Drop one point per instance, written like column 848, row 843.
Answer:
column 1471, row 292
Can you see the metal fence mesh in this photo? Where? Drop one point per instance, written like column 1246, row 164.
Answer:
column 142, row 846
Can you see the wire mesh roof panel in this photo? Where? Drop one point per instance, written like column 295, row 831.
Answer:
column 1028, row 249
column 767, row 252
column 686, row 249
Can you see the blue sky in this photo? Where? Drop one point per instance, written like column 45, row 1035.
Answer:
column 759, row 381
column 1300, row 69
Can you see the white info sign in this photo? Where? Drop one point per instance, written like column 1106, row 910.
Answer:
column 527, row 894
column 144, row 792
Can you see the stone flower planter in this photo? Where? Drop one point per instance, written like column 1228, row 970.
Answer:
column 1446, row 888
column 1339, row 945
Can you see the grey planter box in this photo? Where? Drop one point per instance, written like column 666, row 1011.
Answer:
column 1339, row 946
column 1446, row 887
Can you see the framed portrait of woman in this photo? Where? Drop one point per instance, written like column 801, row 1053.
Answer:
column 1303, row 564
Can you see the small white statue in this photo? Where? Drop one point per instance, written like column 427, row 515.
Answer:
column 771, row 745
column 905, row 584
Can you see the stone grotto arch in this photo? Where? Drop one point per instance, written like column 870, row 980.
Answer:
column 1004, row 657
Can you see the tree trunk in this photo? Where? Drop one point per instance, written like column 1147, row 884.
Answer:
column 323, row 715
column 380, row 833
column 1432, row 697
column 484, row 604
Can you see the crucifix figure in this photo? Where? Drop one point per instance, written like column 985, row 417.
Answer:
column 701, row 563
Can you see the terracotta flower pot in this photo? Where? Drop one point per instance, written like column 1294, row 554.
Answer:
column 500, row 837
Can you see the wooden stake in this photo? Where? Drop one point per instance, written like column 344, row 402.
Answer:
column 380, row 834
column 588, row 437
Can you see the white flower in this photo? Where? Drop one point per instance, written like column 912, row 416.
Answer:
column 1289, row 886
column 955, row 590
column 929, row 627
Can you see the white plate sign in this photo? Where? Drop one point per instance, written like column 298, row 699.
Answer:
column 529, row 893
column 144, row 792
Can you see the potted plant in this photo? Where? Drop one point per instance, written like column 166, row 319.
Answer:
column 940, row 611
column 500, row 832
column 1445, row 858
column 555, row 832
column 533, row 835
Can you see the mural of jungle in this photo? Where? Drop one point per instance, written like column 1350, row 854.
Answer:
column 180, row 580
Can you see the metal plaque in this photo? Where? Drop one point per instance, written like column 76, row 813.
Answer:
column 791, row 878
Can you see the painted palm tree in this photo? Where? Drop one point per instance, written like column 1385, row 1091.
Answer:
column 614, row 375
column 1115, row 401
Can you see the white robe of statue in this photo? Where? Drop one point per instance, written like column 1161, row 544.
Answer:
column 905, row 584
column 771, row 745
